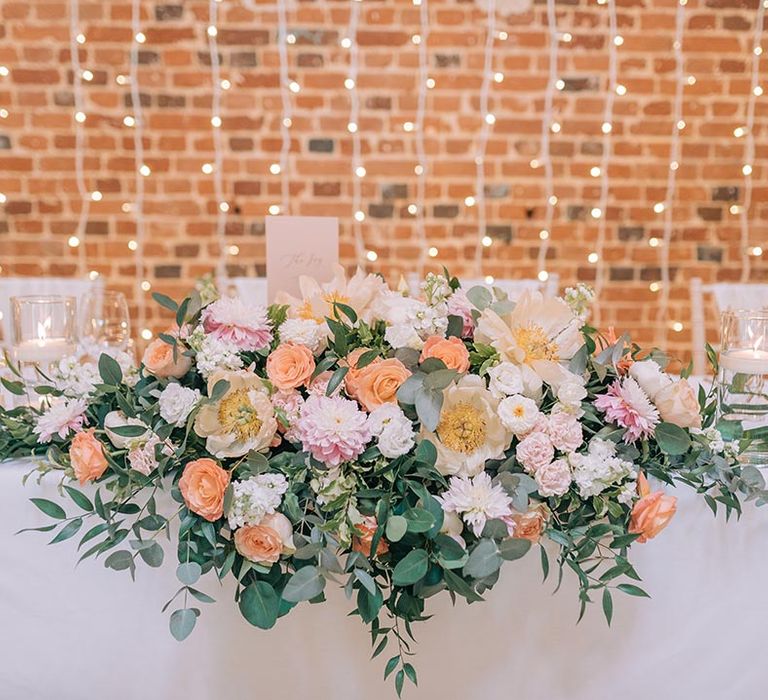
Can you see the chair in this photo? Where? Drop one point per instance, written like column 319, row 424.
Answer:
column 252, row 290
column 727, row 297
column 25, row 286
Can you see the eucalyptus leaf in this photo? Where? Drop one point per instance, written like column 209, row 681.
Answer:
column 189, row 572
column 305, row 584
column 259, row 604
column 480, row 297
column 182, row 623
column 672, row 439
column 397, row 526
column 428, row 404
column 411, row 568
column 484, row 560
column 514, row 548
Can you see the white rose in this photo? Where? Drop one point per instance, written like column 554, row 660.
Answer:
column 518, row 414
column 571, row 393
column 393, row 429
column 506, row 379
column 176, row 403
column 305, row 332
column 403, row 336
column 650, row 377
column 677, row 404
column 116, row 419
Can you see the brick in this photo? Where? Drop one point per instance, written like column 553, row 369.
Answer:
column 380, row 211
column 445, row 211
column 321, row 145
column 166, row 13
column 725, row 194
column 397, row 191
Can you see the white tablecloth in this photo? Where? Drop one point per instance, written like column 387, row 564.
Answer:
column 86, row 633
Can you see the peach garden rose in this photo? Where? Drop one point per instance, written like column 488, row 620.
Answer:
column 362, row 541
column 266, row 542
column 87, row 456
column 677, row 404
column 375, row 384
column 158, row 360
column 202, row 486
column 290, row 366
column 652, row 513
column 451, row 351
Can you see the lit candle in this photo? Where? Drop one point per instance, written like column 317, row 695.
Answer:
column 43, row 350
column 746, row 361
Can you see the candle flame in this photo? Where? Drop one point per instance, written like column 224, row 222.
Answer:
column 42, row 330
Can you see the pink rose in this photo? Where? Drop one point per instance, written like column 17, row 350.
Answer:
column 535, row 451
column 553, row 479
column 677, row 404
column 565, row 432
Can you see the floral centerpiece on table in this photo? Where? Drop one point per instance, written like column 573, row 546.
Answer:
column 397, row 446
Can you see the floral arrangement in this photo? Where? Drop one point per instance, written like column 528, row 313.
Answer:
column 397, row 446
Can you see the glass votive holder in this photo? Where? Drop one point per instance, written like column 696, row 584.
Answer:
column 743, row 379
column 44, row 330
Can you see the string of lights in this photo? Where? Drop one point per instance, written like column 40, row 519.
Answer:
column 600, row 212
column 4, row 73
column 142, row 170
column 489, row 119
column 548, row 126
column 420, row 169
column 666, row 207
column 349, row 41
column 222, row 206
column 287, row 86
column 755, row 91
column 76, row 38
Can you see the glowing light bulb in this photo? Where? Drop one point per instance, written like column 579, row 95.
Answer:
column 121, row 79
column 128, row 120
column 654, row 286
column 80, row 38
column 543, row 234
column 145, row 170
column 372, row 255
column 567, row 37
column 146, row 285
column 740, row 131
column 207, row 168
column 126, row 207
column 274, row 209
column 146, row 334
column 346, row 42
column 756, row 251
column 593, row 258
column 3, row 198
column 360, row 171
column 681, row 125
column 432, row 252
column 416, row 39
column 677, row 326
column 419, row 170
column 359, row 215
column 430, row 83
column 490, row 119
column 409, row 126
column 212, row 31
column 757, row 91
column 469, row 201
column 734, row 209
column 674, row 165
column 140, row 37
column 294, row 87
column 274, row 168
column 132, row 245
column 223, row 206
column 747, row 169
column 73, row 242
column 290, row 38
column 596, row 212
column 503, row 36
column 93, row 275
column 758, row 50
column 606, row 127
column 216, row 122
column 618, row 40
column 654, row 242
column 87, row 75
column 534, row 163
column 96, row 196
column 552, row 200
column 621, row 89
column 543, row 276
column 287, row 122
column 498, row 77
column 659, row 207
column 225, row 84
column 487, row 241
column 234, row 250
column 594, row 171
column 560, row 84
column 691, row 80
column 80, row 117
column 352, row 127
column 412, row 209
column 349, row 83
column 489, row 279
column 3, row 113
column 555, row 127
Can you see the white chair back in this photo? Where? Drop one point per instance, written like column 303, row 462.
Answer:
column 514, row 289
column 25, row 286
column 252, row 290
column 727, row 296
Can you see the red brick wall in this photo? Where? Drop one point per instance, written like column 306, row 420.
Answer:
column 37, row 140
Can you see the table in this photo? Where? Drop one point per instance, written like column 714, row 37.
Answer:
column 77, row 634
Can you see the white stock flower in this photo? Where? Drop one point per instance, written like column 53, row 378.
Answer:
column 599, row 468
column 393, row 430
column 176, row 403
column 254, row 498
column 304, row 331
column 74, row 378
column 518, row 414
column 215, row 354
column 403, row 336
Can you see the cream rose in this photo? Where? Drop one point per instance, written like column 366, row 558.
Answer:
column 677, row 404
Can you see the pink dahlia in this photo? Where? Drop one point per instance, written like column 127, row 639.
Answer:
column 332, row 429
column 627, row 405
column 230, row 320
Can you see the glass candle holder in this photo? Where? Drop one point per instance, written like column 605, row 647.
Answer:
column 105, row 324
column 44, row 330
column 743, row 378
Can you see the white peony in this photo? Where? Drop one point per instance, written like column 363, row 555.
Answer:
column 305, row 331
column 518, row 414
column 176, row 403
column 393, row 430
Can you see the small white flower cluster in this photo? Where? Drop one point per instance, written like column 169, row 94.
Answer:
column 580, row 299
column 253, row 498
column 410, row 322
column 713, row 437
column 509, row 379
column 599, row 468
column 176, row 402
column 436, row 289
column 74, row 378
column 305, row 331
column 392, row 429
column 214, row 354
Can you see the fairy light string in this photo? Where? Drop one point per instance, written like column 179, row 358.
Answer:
column 421, row 166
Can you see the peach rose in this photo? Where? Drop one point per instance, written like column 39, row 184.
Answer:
column 87, row 456
column 364, row 539
column 652, row 513
column 677, row 404
column 529, row 525
column 351, row 360
column 158, row 360
column 290, row 366
column 265, row 542
column 202, row 485
column 377, row 383
column 451, row 351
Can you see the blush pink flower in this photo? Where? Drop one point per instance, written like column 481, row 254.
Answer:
column 332, row 429
column 628, row 406
column 535, row 451
column 459, row 305
column 230, row 320
column 564, row 431
column 289, row 404
column 61, row 418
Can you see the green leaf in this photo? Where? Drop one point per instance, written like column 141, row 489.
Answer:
column 367, row 580
column 119, row 560
column 391, row 666
column 410, row 671
column 397, row 526
column 672, row 439
column 69, row 530
column 152, row 555
column 607, row 606
column 189, row 572
column 428, row 404
column 165, row 301
column 495, row 529
column 220, row 388
column 182, row 623
column 348, row 311
column 483, row 561
column 419, row 520
column 366, row 358
column 305, row 584
column 109, row 370
column 336, row 378
column 426, row 453
column 369, row 605
column 128, row 431
column 399, row 680
column 16, row 388
column 458, row 585
column 480, row 297
column 411, row 568
column 455, row 326
column 440, row 379
column 51, row 509
column 79, row 498
column 631, row 589
column 514, row 548
column 259, row 604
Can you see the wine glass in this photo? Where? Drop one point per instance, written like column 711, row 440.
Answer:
column 105, row 325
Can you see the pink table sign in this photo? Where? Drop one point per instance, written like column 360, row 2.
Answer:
column 300, row 245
